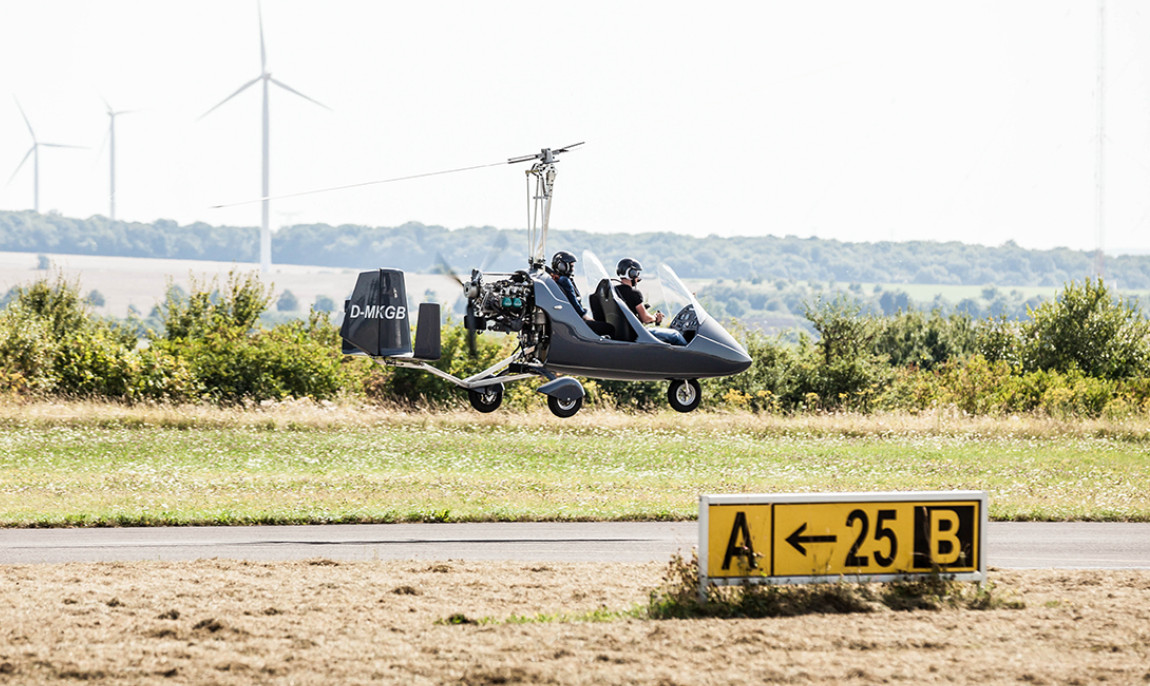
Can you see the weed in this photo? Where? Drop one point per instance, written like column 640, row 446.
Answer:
column 677, row 597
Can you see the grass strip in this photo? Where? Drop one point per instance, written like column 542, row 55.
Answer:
column 274, row 467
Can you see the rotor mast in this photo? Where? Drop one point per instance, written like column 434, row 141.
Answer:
column 539, row 201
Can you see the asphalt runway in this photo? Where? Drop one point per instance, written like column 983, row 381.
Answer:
column 1016, row 545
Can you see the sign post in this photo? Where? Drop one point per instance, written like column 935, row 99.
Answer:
column 794, row 538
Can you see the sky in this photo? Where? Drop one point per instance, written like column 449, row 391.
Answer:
column 973, row 121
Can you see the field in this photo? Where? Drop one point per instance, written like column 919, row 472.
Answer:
column 141, row 282
column 409, row 622
column 96, row 464
column 320, row 621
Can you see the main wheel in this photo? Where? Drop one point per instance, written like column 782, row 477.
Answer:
column 684, row 394
column 564, row 408
column 486, row 398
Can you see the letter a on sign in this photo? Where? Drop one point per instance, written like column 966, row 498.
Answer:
column 747, row 549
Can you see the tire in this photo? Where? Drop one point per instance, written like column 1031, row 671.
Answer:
column 564, row 408
column 684, row 394
column 487, row 398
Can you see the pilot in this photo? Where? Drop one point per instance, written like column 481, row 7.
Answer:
column 629, row 272
column 561, row 270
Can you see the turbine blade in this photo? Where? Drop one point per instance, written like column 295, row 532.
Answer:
column 239, row 90
column 30, row 131
column 103, row 142
column 61, row 145
column 263, row 52
column 286, row 87
column 19, row 166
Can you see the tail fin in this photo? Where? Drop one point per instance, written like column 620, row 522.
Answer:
column 375, row 317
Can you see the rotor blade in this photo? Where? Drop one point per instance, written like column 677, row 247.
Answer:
column 263, row 52
column 355, row 185
column 539, row 155
column 29, row 124
column 286, row 87
column 568, row 147
column 239, row 90
column 61, row 145
column 19, row 166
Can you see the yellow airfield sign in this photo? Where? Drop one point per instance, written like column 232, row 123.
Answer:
column 811, row 537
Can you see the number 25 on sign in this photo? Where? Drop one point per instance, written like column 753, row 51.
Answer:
column 811, row 537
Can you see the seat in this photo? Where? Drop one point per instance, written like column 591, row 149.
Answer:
column 605, row 308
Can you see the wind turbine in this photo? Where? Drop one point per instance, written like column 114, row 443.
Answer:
column 266, row 77
column 112, row 157
column 34, row 153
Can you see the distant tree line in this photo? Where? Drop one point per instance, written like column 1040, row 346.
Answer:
column 419, row 248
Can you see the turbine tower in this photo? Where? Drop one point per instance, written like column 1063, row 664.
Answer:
column 266, row 78
column 112, row 157
column 34, row 153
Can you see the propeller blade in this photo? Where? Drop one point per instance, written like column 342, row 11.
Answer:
column 286, row 87
column 497, row 248
column 28, row 123
column 239, row 90
column 442, row 267
column 19, row 166
column 472, row 345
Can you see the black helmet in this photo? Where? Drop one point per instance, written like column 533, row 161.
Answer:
column 561, row 263
column 629, row 269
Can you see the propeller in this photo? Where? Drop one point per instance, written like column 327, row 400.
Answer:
column 442, row 267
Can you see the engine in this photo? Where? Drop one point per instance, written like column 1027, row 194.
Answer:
column 504, row 305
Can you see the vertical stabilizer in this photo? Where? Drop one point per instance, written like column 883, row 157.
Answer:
column 375, row 317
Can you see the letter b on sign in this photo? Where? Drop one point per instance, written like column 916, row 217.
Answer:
column 944, row 537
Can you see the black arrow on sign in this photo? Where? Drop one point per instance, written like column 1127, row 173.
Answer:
column 797, row 539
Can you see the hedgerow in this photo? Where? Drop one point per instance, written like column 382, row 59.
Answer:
column 210, row 346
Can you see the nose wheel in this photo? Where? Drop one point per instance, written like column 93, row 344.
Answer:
column 486, row 398
column 684, row 394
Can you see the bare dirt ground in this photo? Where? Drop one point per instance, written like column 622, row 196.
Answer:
column 320, row 621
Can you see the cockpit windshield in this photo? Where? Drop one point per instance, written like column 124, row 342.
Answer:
column 593, row 270
column 676, row 297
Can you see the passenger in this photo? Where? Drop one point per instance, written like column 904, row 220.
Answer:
column 629, row 272
column 561, row 270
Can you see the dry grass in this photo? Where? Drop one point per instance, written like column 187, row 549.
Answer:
column 319, row 621
column 307, row 414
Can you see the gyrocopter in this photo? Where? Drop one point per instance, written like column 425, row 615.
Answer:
column 554, row 341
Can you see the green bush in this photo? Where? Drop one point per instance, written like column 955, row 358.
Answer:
column 1088, row 328
column 231, row 359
